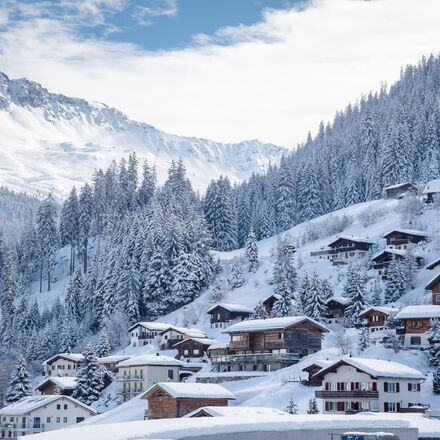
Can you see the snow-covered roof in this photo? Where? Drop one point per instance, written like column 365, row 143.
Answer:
column 74, row 357
column 433, row 264
column 432, row 187
column 191, row 332
column 235, row 411
column 186, row 390
column 339, row 299
column 407, row 231
column 382, row 309
column 256, row 325
column 398, row 185
column 423, row 311
column 239, row 308
column 274, row 295
column 113, row 358
column 31, row 403
column 376, row 368
column 323, row 363
column 389, row 251
column 430, row 284
column 64, row 382
column 351, row 238
column 150, row 359
column 219, row 345
column 152, row 326
column 203, row 341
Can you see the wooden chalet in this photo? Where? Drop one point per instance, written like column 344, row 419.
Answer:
column 58, row 385
column 399, row 190
column 167, row 400
column 269, row 302
column 402, row 238
column 269, row 344
column 434, row 287
column 374, row 318
column 383, row 259
column 172, row 335
column 193, row 348
column 343, row 249
column 313, row 369
column 225, row 314
column 336, row 307
column 431, row 191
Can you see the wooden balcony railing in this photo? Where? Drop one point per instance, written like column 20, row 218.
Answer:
column 347, row 394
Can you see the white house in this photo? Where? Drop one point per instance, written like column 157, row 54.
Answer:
column 357, row 384
column 63, row 364
column 172, row 335
column 146, row 333
column 416, row 324
column 35, row 414
column 138, row 373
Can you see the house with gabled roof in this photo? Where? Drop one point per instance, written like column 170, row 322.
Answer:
column 172, row 335
column 193, row 349
column 34, row 414
column 64, row 385
column 431, row 191
column 172, row 400
column 270, row 301
column 352, row 385
column 374, row 318
column 336, row 307
column 146, row 333
column 399, row 190
column 63, row 364
column 434, row 265
column 225, row 314
column 402, row 238
column 383, row 259
column 434, row 287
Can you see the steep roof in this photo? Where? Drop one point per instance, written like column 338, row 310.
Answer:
column 150, row 359
column 375, row 368
column 407, row 231
column 256, row 325
column 185, row 390
column 73, row 357
column 432, row 186
column 434, row 280
column 152, row 326
column 64, row 383
column 423, row 311
column 433, row 264
column 113, row 358
column 192, row 332
column 235, row 411
column 351, row 238
column 203, row 341
column 339, row 299
column 382, row 309
column 397, row 252
column 232, row 308
column 398, row 185
column 323, row 363
column 219, row 345
column 31, row 403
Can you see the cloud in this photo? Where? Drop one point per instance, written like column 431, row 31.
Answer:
column 144, row 14
column 274, row 80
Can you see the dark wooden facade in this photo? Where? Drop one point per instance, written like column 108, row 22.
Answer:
column 400, row 239
column 311, row 370
column 374, row 318
column 221, row 315
column 434, row 287
column 335, row 308
column 345, row 244
column 269, row 302
column 397, row 191
column 192, row 348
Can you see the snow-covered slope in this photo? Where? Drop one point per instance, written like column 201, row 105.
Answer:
column 50, row 141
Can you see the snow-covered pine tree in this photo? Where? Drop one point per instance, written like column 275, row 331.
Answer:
column 260, row 311
column 67, row 336
column 434, row 342
column 252, row 251
column 148, row 186
column 355, row 290
column 364, row 339
column 284, row 271
column 315, row 305
column 19, row 383
column 285, row 196
column 436, row 380
column 395, row 285
column 282, row 307
column 292, row 407
column 73, row 298
column 89, row 379
column 86, row 212
column 69, row 225
column 312, row 406
column 376, row 293
column 235, row 278
column 103, row 349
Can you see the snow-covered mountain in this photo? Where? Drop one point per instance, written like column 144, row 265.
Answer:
column 50, row 142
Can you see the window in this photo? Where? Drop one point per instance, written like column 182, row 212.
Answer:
column 218, row 315
column 79, row 419
column 330, row 406
column 416, row 340
column 413, row 387
column 47, row 419
column 58, row 419
column 390, row 406
column 196, row 351
column 185, row 351
column 415, row 324
column 64, row 419
column 236, row 338
column 170, row 374
column 391, row 387
column 437, row 298
column 66, row 406
column 58, row 406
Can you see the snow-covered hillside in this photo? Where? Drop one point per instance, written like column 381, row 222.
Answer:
column 51, row 142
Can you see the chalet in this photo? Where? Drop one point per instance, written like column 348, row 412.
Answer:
column 382, row 260
column 352, row 385
column 63, row 364
column 344, row 248
column 269, row 302
column 193, row 349
column 416, row 323
column 146, row 333
column 402, row 238
column 336, row 306
column 140, row 372
column 374, row 318
column 269, row 344
column 313, row 369
column 172, row 400
column 57, row 385
column 172, row 335
column 434, row 287
column 234, row 411
column 399, row 190
column 225, row 314
column 434, row 266
column 34, row 414
column 431, row 191
column 111, row 362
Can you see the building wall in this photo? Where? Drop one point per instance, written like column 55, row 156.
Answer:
column 191, row 349
column 51, row 417
column 62, row 367
column 135, row 334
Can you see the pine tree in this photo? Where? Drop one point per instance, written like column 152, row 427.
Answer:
column 355, row 290
column 376, row 293
column 312, row 406
column 282, row 307
column 19, row 382
column 434, row 342
column 73, row 299
column 235, row 279
column 314, row 306
column 436, row 380
column 260, row 311
column 148, row 186
column 284, row 271
column 89, row 379
column 67, row 337
column 103, row 349
column 69, row 225
column 292, row 407
column 364, row 339
column 252, row 251
column 86, row 213
column 395, row 285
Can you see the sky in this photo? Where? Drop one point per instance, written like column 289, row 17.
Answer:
column 226, row 70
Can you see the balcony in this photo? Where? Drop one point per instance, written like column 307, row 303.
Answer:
column 145, row 336
column 266, row 358
column 131, row 378
column 347, row 394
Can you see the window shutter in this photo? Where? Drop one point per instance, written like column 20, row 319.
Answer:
column 385, row 407
column 398, row 407
column 340, row 406
column 398, row 387
column 409, row 387
column 385, row 386
column 327, row 387
column 374, row 386
column 352, row 386
column 418, row 387
column 327, row 406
